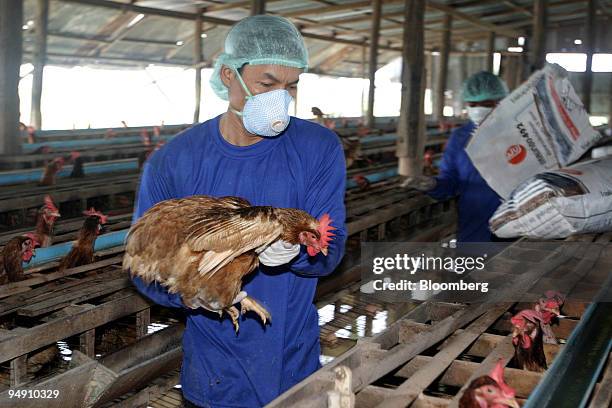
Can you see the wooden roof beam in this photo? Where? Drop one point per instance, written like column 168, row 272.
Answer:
column 473, row 20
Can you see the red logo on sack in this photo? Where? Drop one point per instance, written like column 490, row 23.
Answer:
column 516, row 154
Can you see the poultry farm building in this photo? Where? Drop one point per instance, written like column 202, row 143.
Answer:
column 408, row 89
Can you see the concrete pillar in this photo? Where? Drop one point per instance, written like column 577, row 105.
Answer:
column 258, row 7
column 39, row 60
column 490, row 51
column 11, row 20
column 411, row 125
column 373, row 62
column 197, row 59
column 589, row 47
column 537, row 44
column 443, row 71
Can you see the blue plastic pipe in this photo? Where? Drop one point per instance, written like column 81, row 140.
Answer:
column 55, row 252
column 27, row 176
column 101, row 131
column 373, row 178
column 67, row 144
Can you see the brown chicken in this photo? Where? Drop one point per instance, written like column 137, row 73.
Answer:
column 51, row 170
column 489, row 391
column 549, row 306
column 17, row 250
column 201, row 247
column 77, row 165
column 82, row 252
column 527, row 340
column 45, row 221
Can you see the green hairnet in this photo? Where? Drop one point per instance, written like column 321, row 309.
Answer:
column 260, row 40
column 484, row 86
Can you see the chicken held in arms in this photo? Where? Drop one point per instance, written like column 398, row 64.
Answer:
column 82, row 252
column 201, row 247
column 17, row 250
column 527, row 340
column 549, row 306
column 489, row 391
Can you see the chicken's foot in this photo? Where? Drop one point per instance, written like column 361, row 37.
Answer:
column 234, row 314
column 248, row 303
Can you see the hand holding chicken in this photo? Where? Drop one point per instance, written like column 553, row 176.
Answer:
column 201, row 247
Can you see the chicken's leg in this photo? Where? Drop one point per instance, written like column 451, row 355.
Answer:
column 248, row 303
column 234, row 314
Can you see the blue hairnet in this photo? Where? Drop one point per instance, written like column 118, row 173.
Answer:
column 259, row 40
column 484, row 86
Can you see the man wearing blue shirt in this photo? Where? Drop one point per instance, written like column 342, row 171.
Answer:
column 458, row 177
column 255, row 151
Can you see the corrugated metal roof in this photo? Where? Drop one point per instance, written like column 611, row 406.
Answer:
column 87, row 34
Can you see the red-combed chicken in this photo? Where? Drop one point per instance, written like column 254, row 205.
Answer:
column 549, row 306
column 77, row 165
column 201, row 247
column 527, row 340
column 51, row 170
column 489, row 391
column 82, row 252
column 45, row 221
column 362, row 182
column 145, row 137
column 17, row 250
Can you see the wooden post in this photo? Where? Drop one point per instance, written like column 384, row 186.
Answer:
column 143, row 320
column 490, row 50
column 373, row 63
column 197, row 59
column 87, row 343
column 538, row 40
column 443, row 68
column 11, row 17
column 411, row 120
column 363, row 75
column 258, row 7
column 39, row 60
column 587, row 83
column 18, row 368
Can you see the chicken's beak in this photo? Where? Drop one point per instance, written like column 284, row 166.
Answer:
column 324, row 251
column 509, row 402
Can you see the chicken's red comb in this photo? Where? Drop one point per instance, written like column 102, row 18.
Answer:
column 325, row 230
column 92, row 212
column 32, row 237
column 49, row 203
column 497, row 374
column 519, row 319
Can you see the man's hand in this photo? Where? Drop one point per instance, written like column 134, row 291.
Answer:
column 279, row 253
column 421, row 183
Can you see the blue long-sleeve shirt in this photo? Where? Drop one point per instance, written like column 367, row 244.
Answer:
column 458, row 177
column 302, row 168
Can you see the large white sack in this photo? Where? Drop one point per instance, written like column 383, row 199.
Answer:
column 559, row 203
column 540, row 126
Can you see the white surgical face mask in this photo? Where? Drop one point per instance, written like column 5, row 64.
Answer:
column 478, row 113
column 265, row 114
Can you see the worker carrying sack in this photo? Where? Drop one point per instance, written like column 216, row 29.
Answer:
column 559, row 203
column 540, row 126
